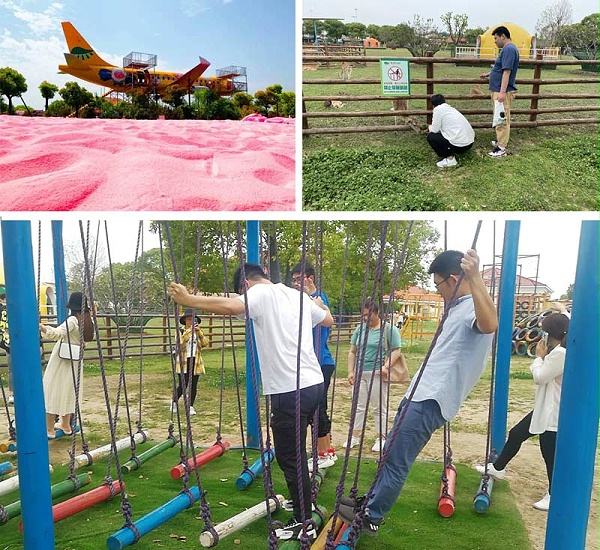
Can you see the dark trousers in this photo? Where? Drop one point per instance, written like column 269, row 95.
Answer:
column 283, row 425
column 519, row 434
column 324, row 421
column 184, row 381
column 443, row 147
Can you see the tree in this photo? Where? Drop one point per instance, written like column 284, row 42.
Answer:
column 472, row 34
column 356, row 31
column 287, row 104
column 552, row 20
column 48, row 91
column 58, row 108
column 426, row 37
column 373, row 32
column 455, row 24
column 334, row 29
column 582, row 37
column 12, row 83
column 568, row 295
column 75, row 96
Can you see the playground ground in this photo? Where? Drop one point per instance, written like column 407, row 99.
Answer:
column 525, row 474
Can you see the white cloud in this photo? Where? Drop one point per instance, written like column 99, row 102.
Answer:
column 191, row 8
column 39, row 22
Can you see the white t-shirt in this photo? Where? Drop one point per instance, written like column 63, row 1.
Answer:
column 275, row 311
column 453, row 125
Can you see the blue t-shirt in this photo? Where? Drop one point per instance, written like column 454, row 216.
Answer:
column 321, row 336
column 508, row 58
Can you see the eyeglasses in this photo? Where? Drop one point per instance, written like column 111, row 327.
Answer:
column 438, row 285
column 297, row 279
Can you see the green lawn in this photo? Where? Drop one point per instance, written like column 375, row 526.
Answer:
column 548, row 168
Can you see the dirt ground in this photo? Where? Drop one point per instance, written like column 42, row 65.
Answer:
column 525, row 474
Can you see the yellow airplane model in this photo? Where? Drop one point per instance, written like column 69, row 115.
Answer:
column 83, row 62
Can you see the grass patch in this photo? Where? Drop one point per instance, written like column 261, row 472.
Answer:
column 412, row 523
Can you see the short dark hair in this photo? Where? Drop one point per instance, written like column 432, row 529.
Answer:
column 309, row 270
column 556, row 325
column 371, row 305
column 437, row 99
column 501, row 30
column 447, row 263
column 251, row 271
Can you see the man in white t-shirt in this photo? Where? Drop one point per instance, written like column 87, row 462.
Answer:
column 279, row 313
column 449, row 133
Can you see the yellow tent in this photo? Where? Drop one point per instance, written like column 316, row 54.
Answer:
column 524, row 41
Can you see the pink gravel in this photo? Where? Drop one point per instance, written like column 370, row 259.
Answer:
column 58, row 164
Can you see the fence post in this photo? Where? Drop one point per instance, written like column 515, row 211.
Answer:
column 537, row 74
column 430, row 88
column 164, row 333
column 109, row 346
column 304, row 119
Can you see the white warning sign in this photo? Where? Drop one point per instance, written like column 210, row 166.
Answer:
column 395, row 76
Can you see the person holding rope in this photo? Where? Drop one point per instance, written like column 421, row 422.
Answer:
column 455, row 364
column 279, row 314
column 191, row 364
column 306, row 282
column 547, row 370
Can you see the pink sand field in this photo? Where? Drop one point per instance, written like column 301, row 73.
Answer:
column 57, row 164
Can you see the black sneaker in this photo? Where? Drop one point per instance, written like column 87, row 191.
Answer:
column 293, row 531
column 370, row 528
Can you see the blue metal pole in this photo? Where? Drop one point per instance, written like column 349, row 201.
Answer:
column 253, row 253
column 126, row 536
column 60, row 278
column 506, row 308
column 30, row 414
column 579, row 410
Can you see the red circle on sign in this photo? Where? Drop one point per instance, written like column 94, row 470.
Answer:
column 395, row 73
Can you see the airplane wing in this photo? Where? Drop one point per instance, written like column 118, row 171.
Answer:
column 186, row 80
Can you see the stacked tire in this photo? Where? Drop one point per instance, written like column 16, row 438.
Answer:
column 528, row 332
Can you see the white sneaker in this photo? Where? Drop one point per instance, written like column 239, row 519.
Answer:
column 11, row 399
column 494, row 143
column 174, row 407
column 543, row 504
column 446, row 163
column 192, row 411
column 378, row 445
column 353, row 442
column 496, row 474
column 497, row 152
column 324, row 461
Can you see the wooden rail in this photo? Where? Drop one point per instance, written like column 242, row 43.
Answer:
column 430, row 82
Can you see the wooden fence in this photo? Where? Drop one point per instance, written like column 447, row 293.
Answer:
column 430, row 81
column 151, row 336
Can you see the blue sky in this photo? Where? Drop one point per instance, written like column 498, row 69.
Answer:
column 256, row 34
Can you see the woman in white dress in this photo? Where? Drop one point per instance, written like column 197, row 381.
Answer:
column 60, row 375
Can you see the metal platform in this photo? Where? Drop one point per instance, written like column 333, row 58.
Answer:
column 139, row 60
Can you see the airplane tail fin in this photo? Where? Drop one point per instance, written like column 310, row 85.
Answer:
column 80, row 52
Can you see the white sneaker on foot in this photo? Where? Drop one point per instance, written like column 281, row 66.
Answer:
column 192, row 411
column 543, row 504
column 174, row 407
column 497, row 152
column 378, row 445
column 496, row 474
column 11, row 399
column 353, row 442
column 446, row 163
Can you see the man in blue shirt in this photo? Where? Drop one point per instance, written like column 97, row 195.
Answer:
column 306, row 282
column 502, row 85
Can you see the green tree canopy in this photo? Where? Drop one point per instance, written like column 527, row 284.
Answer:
column 355, row 31
column 75, row 96
column 48, row 91
column 12, row 84
column 455, row 24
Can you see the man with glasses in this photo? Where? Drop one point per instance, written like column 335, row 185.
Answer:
column 455, row 364
column 279, row 313
column 303, row 278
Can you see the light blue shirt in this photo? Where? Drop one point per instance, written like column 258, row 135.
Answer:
column 456, row 362
column 374, row 353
